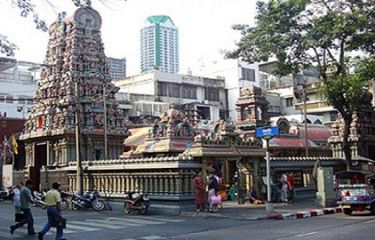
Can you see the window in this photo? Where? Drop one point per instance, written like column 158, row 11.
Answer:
column 204, row 113
column 174, row 90
column 211, row 94
column 9, row 99
column 162, row 89
column 248, row 74
column 289, row 102
column 98, row 154
column 22, row 99
column 189, row 92
column 2, row 98
column 332, row 116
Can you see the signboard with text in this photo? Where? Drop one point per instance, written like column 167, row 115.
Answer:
column 267, row 132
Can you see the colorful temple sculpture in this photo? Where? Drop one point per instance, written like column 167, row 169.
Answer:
column 361, row 137
column 288, row 149
column 74, row 90
column 251, row 109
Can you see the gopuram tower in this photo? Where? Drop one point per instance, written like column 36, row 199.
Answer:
column 74, row 90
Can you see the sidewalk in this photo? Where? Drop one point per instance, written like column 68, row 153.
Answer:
column 282, row 211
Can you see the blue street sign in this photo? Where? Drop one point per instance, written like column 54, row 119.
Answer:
column 267, row 132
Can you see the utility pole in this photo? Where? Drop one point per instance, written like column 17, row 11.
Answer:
column 2, row 162
column 266, row 134
column 305, row 120
column 269, row 207
column 105, row 122
column 77, row 133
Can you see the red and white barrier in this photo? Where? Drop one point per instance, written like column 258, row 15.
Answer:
column 305, row 214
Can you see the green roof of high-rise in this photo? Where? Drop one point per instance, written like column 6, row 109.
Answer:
column 159, row 19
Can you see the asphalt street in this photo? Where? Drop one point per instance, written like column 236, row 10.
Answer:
column 117, row 226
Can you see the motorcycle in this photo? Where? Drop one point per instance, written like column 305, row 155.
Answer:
column 6, row 195
column 39, row 199
column 90, row 200
column 64, row 202
column 139, row 204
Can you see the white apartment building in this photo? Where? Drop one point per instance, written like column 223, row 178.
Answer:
column 236, row 74
column 152, row 92
column 117, row 68
column 17, row 87
column 159, row 45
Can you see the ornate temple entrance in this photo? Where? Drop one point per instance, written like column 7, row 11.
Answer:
column 40, row 159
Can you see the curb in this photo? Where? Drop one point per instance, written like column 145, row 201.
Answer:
column 305, row 214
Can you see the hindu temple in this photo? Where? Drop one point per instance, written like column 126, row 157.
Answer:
column 74, row 91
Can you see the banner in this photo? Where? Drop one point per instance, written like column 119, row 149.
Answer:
column 7, row 175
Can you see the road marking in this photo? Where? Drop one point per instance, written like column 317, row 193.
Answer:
column 73, row 225
column 53, row 231
column 152, row 237
column 305, row 234
column 161, row 219
column 371, row 221
column 93, row 223
column 135, row 220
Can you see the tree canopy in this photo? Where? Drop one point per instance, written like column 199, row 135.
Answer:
column 27, row 9
column 336, row 36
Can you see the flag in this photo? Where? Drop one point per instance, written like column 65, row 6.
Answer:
column 14, row 144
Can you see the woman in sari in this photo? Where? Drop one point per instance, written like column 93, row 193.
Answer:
column 199, row 191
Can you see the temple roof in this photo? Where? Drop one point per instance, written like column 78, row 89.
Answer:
column 317, row 133
column 283, row 142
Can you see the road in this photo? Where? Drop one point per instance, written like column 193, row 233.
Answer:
column 84, row 225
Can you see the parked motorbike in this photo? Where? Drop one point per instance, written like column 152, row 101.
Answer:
column 90, row 200
column 6, row 195
column 139, row 204
column 64, row 201
column 39, row 199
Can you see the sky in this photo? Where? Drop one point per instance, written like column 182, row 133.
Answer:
column 204, row 29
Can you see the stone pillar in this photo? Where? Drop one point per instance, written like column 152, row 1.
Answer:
column 325, row 196
column 172, row 182
column 239, row 113
column 166, row 184
column 178, row 188
column 48, row 146
column 186, row 182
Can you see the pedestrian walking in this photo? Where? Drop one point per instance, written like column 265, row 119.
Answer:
column 53, row 201
column 284, row 188
column 25, row 204
column 16, row 191
column 212, row 188
column 199, row 191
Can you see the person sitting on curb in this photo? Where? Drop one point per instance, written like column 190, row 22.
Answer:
column 253, row 197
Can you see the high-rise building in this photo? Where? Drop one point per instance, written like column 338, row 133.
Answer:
column 159, row 45
column 117, row 68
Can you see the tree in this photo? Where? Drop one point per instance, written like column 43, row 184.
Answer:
column 337, row 36
column 27, row 8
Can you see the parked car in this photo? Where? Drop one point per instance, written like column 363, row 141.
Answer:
column 354, row 192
